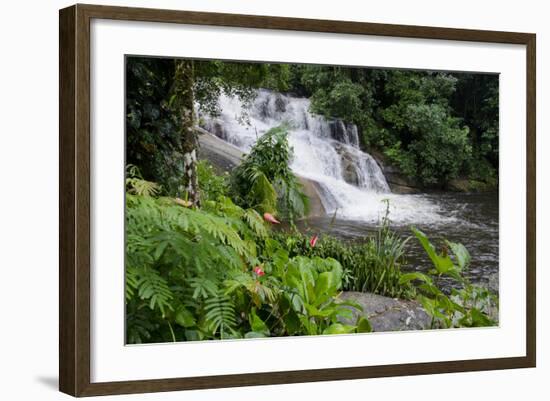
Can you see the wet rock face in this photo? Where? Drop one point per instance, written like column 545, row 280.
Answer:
column 398, row 182
column 215, row 127
column 338, row 131
column 344, row 132
column 272, row 106
column 280, row 104
column 349, row 166
column 349, row 171
column 387, row 314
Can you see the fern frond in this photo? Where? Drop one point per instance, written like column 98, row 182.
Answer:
column 264, row 193
column 150, row 286
column 255, row 222
column 220, row 316
column 132, row 283
column 135, row 183
column 203, row 287
column 142, row 187
column 139, row 327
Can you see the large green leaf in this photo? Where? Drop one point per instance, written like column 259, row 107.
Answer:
column 408, row 277
column 325, row 285
column 363, row 325
column 461, row 253
column 442, row 263
column 256, row 324
column 339, row 328
column 185, row 318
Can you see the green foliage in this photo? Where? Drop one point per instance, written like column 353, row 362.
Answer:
column 154, row 118
column 153, row 139
column 469, row 306
column 176, row 256
column 424, row 140
column 220, row 316
column 308, row 299
column 150, row 286
column 476, row 101
column 192, row 274
column 343, row 100
column 373, row 265
column 438, row 147
column 212, row 186
column 136, row 185
column 264, row 180
column 434, row 126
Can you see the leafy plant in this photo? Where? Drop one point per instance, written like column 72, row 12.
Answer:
column 372, row 265
column 220, row 316
column 176, row 254
column 212, row 185
column 466, row 307
column 311, row 286
column 264, row 181
column 136, row 185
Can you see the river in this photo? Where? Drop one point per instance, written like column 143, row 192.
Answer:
column 472, row 219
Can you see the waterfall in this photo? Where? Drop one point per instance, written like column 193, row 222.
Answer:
column 324, row 151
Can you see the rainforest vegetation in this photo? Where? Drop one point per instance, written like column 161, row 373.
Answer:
column 213, row 255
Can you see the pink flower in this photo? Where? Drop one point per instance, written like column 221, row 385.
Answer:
column 259, row 271
column 270, row 218
column 313, row 240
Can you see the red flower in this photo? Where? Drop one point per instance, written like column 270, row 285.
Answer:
column 313, row 240
column 270, row 218
column 259, row 271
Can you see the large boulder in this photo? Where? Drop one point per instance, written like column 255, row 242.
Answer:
column 348, row 163
column 387, row 314
column 311, row 189
column 222, row 155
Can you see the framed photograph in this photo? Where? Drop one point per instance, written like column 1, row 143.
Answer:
column 249, row 200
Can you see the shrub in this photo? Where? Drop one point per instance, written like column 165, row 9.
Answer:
column 264, row 180
column 466, row 307
column 215, row 273
column 372, row 265
column 212, row 186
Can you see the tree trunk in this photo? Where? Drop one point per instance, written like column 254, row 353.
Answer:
column 184, row 107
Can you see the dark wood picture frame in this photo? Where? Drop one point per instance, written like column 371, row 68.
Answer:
column 74, row 199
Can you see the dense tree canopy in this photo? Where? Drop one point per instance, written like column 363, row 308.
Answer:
column 160, row 94
column 435, row 126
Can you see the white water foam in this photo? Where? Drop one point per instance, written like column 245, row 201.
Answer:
column 327, row 152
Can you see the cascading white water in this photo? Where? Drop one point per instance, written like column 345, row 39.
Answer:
column 327, row 152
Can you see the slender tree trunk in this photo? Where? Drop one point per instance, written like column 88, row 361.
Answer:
column 184, row 106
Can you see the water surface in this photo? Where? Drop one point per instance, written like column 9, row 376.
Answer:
column 471, row 219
